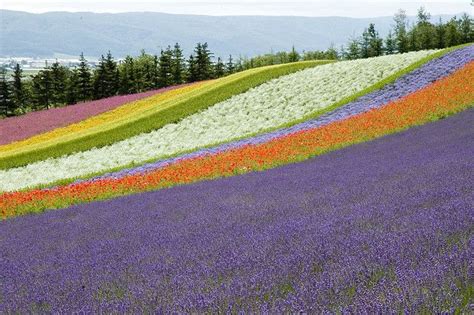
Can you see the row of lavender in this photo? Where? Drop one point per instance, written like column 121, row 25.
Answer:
column 349, row 236
column 409, row 83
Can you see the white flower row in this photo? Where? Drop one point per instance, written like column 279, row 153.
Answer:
column 271, row 104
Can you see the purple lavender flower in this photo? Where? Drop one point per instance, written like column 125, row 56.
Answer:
column 380, row 227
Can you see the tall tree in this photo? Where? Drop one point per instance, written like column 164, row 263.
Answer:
column 401, row 38
column 219, row 68
column 192, row 69
column 82, row 80
column 293, row 56
column 18, row 90
column 452, row 36
column 203, row 62
column 165, row 68
column 41, row 88
column 5, row 93
column 106, row 77
column 390, row 44
column 59, row 75
column 466, row 29
column 177, row 65
column 374, row 47
column 353, row 51
column 230, row 67
column 128, row 82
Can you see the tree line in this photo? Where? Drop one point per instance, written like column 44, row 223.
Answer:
column 57, row 85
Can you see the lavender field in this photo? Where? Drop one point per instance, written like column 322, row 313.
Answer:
column 385, row 226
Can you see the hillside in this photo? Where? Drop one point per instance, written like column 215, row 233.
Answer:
column 26, row 34
column 316, row 187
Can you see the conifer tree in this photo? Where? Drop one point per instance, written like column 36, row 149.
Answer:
column 5, row 93
column 42, row 91
column 390, row 45
column 293, row 56
column 230, row 67
column 192, row 69
column 165, row 68
column 59, row 75
column 82, row 80
column 466, row 31
column 401, row 39
column 219, row 69
column 111, row 76
column 203, row 62
column 177, row 64
column 353, row 50
column 128, row 82
column 18, row 90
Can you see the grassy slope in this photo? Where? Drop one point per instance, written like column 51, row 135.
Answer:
column 168, row 112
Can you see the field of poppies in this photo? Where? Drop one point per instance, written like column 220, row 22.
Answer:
column 322, row 187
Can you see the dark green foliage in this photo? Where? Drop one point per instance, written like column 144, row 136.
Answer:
column 42, row 89
column 390, row 44
column 293, row 56
column 81, row 81
column 219, row 68
column 106, row 77
column 204, row 66
column 18, row 93
column 229, row 66
column 59, row 76
column 192, row 69
column 128, row 81
column 177, row 65
column 165, row 72
column 5, row 93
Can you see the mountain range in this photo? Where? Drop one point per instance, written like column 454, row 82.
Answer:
column 68, row 34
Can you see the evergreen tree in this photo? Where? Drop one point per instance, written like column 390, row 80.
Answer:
column 441, row 34
column 59, row 75
column 331, row 53
column 353, row 50
column 192, row 69
column 165, row 68
column 364, row 44
column 18, row 90
column 204, row 65
column 466, row 29
column 230, row 67
column 128, row 82
column 424, row 36
column 293, row 56
column 82, row 80
column 390, row 44
column 106, row 77
column 177, row 64
column 219, row 69
column 401, row 37
column 372, row 42
column 452, row 36
column 5, row 93
column 72, row 89
column 41, row 88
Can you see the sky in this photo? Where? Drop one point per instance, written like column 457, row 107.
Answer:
column 351, row 8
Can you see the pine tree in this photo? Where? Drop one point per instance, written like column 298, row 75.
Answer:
column 59, row 75
column 293, row 56
column 466, row 30
column 128, row 83
column 111, row 76
column 219, row 69
column 99, row 79
column 192, row 69
column 353, row 51
column 390, row 44
column 401, row 39
column 42, row 91
column 452, row 36
column 82, row 81
column 177, row 64
column 230, row 67
column 18, row 90
column 203, row 62
column 165, row 68
column 5, row 93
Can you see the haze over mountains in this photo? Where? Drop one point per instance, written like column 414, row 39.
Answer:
column 65, row 33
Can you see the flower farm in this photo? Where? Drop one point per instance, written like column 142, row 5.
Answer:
column 316, row 187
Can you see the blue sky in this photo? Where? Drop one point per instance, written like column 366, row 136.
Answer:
column 353, row 8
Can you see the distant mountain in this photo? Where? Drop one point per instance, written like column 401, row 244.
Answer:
column 63, row 33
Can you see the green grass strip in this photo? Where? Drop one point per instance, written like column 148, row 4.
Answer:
column 220, row 91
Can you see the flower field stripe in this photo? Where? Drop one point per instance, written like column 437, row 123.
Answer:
column 267, row 106
column 384, row 227
column 440, row 99
column 409, row 83
column 18, row 128
column 162, row 114
column 104, row 120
